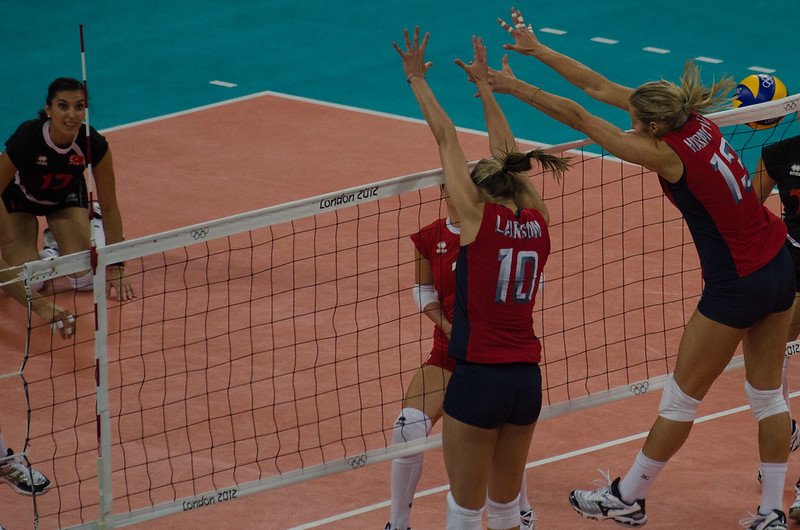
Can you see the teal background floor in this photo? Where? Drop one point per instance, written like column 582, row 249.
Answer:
column 149, row 58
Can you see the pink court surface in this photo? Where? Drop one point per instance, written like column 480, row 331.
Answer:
column 270, row 149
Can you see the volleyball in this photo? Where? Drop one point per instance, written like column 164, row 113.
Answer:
column 758, row 88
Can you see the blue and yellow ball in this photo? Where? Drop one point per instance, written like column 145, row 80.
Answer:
column 758, row 88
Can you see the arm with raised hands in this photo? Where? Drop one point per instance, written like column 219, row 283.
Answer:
column 629, row 146
column 464, row 195
column 592, row 83
column 501, row 139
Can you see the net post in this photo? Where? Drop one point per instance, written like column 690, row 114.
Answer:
column 105, row 494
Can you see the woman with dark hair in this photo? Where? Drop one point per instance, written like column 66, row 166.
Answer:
column 42, row 174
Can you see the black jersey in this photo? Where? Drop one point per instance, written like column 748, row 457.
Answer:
column 782, row 162
column 46, row 173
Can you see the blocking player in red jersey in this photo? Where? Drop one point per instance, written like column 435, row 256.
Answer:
column 780, row 165
column 436, row 248
column 494, row 395
column 749, row 281
column 41, row 174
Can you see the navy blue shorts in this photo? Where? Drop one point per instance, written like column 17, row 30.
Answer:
column 16, row 201
column 489, row 395
column 743, row 302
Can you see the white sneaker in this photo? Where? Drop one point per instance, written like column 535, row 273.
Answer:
column 21, row 478
column 606, row 503
column 794, row 509
column 526, row 520
column 49, row 241
column 95, row 208
column 775, row 520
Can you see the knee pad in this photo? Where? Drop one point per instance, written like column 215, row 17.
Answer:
column 82, row 283
column 675, row 404
column 503, row 515
column 460, row 518
column 411, row 424
column 765, row 403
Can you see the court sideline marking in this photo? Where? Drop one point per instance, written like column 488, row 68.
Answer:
column 536, row 463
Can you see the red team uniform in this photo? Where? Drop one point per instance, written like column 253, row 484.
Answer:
column 438, row 243
column 497, row 278
column 735, row 235
column 497, row 378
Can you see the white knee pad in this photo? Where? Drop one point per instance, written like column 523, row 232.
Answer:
column 82, row 283
column 765, row 403
column 675, row 404
column 503, row 515
column 460, row 518
column 411, row 424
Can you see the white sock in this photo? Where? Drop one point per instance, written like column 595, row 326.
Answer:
column 460, row 518
column 773, row 476
column 3, row 448
column 503, row 515
column 640, row 477
column 411, row 424
column 524, row 503
column 82, row 283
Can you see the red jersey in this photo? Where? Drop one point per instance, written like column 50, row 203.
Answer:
column 497, row 278
column 734, row 234
column 438, row 243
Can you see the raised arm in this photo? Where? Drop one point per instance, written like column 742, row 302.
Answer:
column 463, row 193
column 501, row 139
column 592, row 83
column 654, row 155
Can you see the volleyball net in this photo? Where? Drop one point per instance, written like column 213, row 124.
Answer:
column 275, row 346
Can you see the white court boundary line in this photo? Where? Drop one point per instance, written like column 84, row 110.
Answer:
column 535, row 463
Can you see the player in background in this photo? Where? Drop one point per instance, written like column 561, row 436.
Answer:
column 780, row 165
column 494, row 395
column 749, row 283
column 41, row 174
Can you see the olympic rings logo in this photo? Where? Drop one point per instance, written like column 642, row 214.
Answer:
column 199, row 234
column 637, row 389
column 790, row 105
column 357, row 461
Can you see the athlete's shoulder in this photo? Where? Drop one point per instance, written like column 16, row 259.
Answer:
column 776, row 152
column 27, row 130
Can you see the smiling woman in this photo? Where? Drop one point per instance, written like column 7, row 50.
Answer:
column 41, row 174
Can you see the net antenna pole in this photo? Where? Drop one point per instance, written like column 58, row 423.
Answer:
column 106, row 498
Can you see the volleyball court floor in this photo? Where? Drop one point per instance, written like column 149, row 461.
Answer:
column 220, row 161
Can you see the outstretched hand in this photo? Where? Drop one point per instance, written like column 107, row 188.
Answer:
column 63, row 321
column 414, row 64
column 477, row 70
column 117, row 281
column 525, row 42
column 502, row 81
